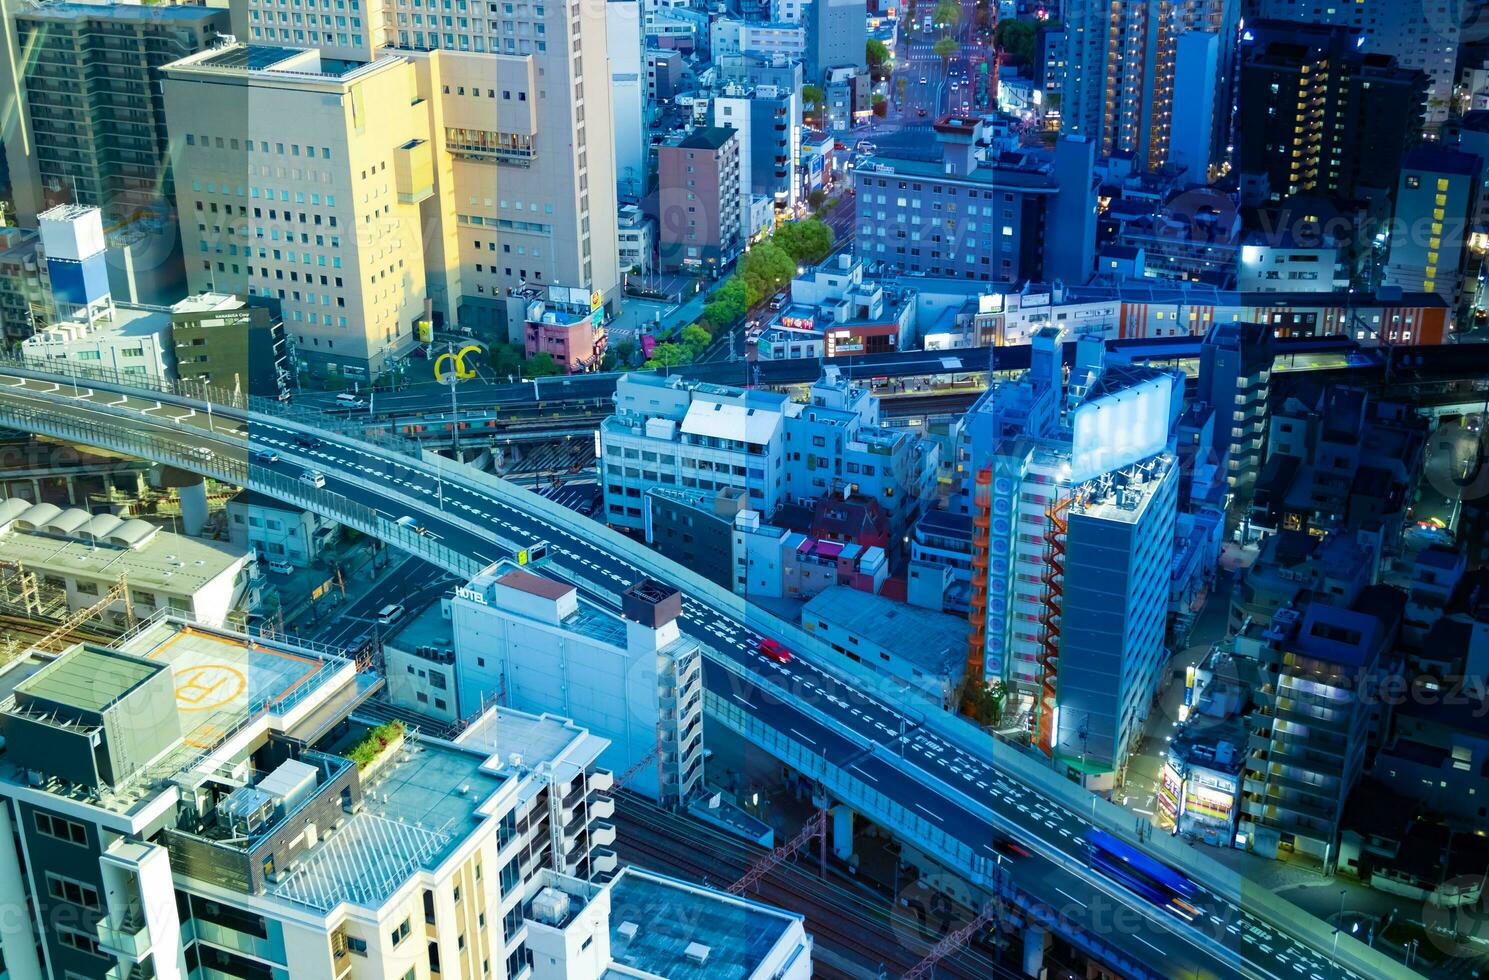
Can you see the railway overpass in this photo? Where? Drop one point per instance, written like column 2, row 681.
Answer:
column 926, row 776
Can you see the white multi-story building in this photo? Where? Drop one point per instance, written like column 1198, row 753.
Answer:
column 638, row 239
column 635, row 680
column 627, row 97
column 673, row 433
column 194, row 803
column 836, row 445
column 86, row 555
column 128, row 340
column 276, row 530
column 167, row 790
column 1073, row 522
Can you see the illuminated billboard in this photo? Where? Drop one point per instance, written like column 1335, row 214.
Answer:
column 1120, row 428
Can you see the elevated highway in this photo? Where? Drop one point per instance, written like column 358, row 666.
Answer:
column 927, row 776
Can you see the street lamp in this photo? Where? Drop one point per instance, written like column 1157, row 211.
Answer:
column 1339, row 922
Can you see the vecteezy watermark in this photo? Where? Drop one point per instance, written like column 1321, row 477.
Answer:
column 1456, row 918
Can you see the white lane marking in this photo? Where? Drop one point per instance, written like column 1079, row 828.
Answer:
column 929, row 813
column 801, row 736
column 865, row 775
column 1148, row 944
column 1071, row 897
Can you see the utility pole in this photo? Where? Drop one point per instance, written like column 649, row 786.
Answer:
column 454, row 412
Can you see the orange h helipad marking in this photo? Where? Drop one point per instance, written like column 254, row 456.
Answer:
column 204, row 687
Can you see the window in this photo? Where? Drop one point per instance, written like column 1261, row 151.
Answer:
column 81, row 941
column 61, row 828
column 73, row 892
column 400, row 934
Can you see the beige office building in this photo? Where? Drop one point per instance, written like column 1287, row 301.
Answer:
column 519, row 108
column 304, row 179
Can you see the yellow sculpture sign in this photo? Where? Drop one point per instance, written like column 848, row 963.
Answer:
column 461, row 371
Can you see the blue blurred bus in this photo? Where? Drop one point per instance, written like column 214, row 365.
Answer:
column 1141, row 874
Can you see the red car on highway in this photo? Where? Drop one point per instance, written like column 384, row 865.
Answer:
column 775, row 651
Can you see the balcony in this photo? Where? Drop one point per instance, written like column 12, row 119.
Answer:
column 604, row 861
column 601, row 808
column 602, row 834
column 131, row 971
column 127, row 937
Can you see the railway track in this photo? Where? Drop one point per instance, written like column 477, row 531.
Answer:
column 856, row 928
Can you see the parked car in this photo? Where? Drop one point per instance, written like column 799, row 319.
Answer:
column 280, row 567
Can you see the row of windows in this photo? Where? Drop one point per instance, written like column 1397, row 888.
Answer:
column 233, row 143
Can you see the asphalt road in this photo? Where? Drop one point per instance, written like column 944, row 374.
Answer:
column 968, row 798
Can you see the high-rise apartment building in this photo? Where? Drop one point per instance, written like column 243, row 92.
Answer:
column 628, row 99
column 762, row 102
column 1124, row 70
column 971, row 217
column 1321, row 114
column 1073, row 509
column 698, row 201
column 1419, row 34
column 306, row 178
column 1235, row 376
column 1308, row 740
column 1435, row 206
column 837, row 32
column 86, row 123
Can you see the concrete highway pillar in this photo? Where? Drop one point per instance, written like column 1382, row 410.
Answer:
column 193, row 507
column 842, row 833
column 1035, row 940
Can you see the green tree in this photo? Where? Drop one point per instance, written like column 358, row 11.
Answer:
column 946, row 47
column 541, row 365
column 984, row 703
column 696, row 338
column 727, row 305
column 807, row 242
column 766, row 268
column 876, row 52
column 624, row 351
column 812, row 98
column 1017, row 39
column 669, row 355
column 505, row 359
column 817, row 198
column 948, row 13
